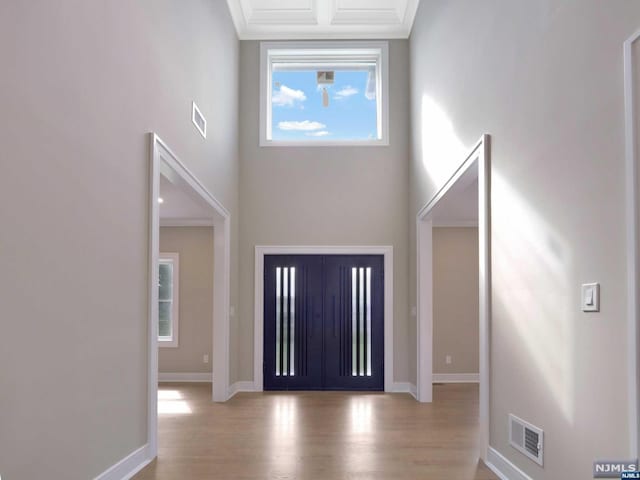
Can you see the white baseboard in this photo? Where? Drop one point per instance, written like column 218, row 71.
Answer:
column 456, row 378
column 404, row 387
column 413, row 390
column 503, row 468
column 243, row 386
column 128, row 466
column 184, row 377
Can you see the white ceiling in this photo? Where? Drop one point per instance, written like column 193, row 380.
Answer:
column 322, row 19
column 181, row 208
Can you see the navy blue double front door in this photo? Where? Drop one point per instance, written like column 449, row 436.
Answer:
column 324, row 322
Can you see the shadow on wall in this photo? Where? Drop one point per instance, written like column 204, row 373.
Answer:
column 530, row 284
column 530, row 261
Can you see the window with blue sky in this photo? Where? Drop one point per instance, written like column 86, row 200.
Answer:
column 303, row 109
column 324, row 93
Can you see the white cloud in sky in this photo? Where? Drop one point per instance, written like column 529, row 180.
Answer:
column 321, row 133
column 305, row 125
column 287, row 97
column 346, row 92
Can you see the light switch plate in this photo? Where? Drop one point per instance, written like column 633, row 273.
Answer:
column 590, row 297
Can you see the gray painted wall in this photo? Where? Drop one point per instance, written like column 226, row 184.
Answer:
column 82, row 84
column 323, row 196
column 195, row 317
column 455, row 299
column 545, row 79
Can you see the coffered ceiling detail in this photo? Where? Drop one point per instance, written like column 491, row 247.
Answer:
column 322, row 19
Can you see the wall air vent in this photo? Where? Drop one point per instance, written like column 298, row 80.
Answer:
column 198, row 119
column 526, row 438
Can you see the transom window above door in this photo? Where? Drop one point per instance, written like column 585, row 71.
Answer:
column 324, row 93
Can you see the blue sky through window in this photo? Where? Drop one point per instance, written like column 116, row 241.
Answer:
column 299, row 115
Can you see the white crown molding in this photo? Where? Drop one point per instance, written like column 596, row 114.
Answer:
column 321, row 19
column 318, row 32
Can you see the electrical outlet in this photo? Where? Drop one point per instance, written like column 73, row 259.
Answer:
column 205, row 358
column 448, row 360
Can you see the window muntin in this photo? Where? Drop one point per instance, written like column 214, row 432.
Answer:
column 301, row 106
column 168, row 296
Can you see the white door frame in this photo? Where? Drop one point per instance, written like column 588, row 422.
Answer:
column 479, row 156
column 165, row 162
column 261, row 251
column 632, row 161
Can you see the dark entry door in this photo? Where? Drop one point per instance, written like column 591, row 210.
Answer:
column 324, row 322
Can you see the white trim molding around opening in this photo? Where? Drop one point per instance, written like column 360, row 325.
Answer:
column 165, row 162
column 478, row 159
column 261, row 251
column 632, row 159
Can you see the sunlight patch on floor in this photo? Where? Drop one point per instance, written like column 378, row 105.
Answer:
column 172, row 402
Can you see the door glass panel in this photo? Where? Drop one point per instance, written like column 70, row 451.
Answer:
column 292, row 319
column 285, row 320
column 368, row 300
column 361, row 332
column 285, row 323
column 361, row 321
column 278, row 332
column 354, row 322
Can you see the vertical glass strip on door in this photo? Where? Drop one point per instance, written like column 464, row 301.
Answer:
column 354, row 321
column 361, row 322
column 368, row 317
column 292, row 321
column 285, row 320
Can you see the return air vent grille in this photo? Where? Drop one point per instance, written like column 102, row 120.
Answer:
column 526, row 438
column 531, row 442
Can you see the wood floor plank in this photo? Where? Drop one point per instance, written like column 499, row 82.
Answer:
column 317, row 436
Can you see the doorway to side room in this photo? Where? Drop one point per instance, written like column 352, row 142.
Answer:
column 178, row 200
column 465, row 197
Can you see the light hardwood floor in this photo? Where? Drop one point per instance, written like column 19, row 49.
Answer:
column 317, row 436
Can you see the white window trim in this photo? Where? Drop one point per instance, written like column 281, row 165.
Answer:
column 174, row 259
column 305, row 48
